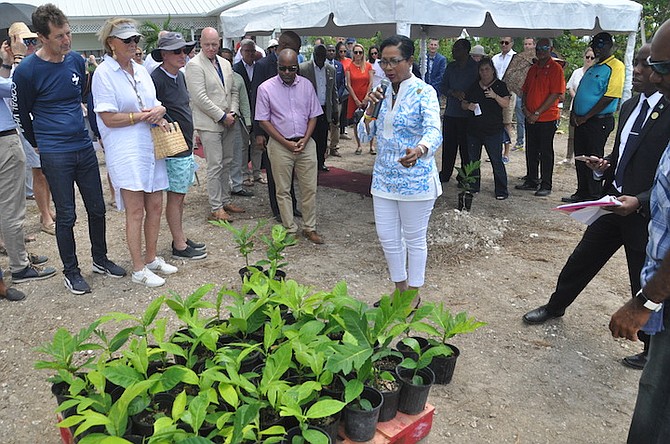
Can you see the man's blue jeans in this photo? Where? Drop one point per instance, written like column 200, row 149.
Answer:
column 62, row 171
column 520, row 121
column 651, row 419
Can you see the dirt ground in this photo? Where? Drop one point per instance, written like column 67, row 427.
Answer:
column 561, row 382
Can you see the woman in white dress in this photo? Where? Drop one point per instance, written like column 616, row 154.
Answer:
column 126, row 106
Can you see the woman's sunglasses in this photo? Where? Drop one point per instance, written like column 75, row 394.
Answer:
column 358, row 52
column 185, row 50
column 135, row 38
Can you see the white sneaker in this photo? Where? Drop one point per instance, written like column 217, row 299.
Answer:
column 147, row 277
column 160, row 265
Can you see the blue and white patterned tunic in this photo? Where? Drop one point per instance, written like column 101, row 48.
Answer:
column 414, row 120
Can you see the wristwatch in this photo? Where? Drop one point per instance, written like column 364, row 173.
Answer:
column 536, row 113
column 648, row 304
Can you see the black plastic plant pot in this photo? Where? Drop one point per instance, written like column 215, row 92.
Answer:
column 280, row 275
column 413, row 397
column 361, row 425
column 330, row 425
column 465, row 200
column 143, row 422
column 390, row 405
column 249, row 271
column 295, row 431
column 408, row 352
column 135, row 439
column 444, row 366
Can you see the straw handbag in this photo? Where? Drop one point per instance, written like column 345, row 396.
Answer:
column 169, row 143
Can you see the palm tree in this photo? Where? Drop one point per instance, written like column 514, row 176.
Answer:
column 150, row 32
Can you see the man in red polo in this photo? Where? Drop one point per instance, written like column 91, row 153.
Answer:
column 543, row 86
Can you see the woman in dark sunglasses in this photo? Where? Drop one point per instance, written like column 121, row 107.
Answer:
column 359, row 76
column 571, row 86
column 125, row 101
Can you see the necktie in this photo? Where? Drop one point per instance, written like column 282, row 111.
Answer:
column 215, row 62
column 631, row 143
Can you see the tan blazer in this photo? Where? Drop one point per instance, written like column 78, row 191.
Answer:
column 209, row 98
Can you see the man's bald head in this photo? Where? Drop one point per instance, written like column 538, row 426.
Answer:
column 660, row 52
column 287, row 65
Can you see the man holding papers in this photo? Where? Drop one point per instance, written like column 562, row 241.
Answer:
column 627, row 173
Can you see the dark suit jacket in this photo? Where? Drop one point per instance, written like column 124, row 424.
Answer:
column 307, row 70
column 436, row 74
column 242, row 71
column 264, row 69
column 641, row 168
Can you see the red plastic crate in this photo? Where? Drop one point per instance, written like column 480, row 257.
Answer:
column 403, row 429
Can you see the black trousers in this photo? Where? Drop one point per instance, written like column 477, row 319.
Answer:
column 590, row 139
column 454, row 140
column 540, row 153
column 320, row 136
column 600, row 241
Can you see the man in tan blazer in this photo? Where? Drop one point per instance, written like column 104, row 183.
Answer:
column 215, row 105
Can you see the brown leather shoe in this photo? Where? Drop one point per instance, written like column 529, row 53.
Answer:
column 220, row 215
column 313, row 236
column 232, row 208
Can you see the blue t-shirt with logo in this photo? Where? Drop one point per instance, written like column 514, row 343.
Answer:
column 52, row 94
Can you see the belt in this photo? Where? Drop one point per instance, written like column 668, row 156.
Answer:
column 8, row 133
column 603, row 116
column 295, row 139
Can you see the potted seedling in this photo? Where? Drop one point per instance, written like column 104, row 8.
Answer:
column 416, row 377
column 276, row 243
column 467, row 176
column 442, row 327
column 244, row 239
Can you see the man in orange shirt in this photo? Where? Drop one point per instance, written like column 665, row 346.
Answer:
column 543, row 86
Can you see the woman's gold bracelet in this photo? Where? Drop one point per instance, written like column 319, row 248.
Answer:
column 132, row 119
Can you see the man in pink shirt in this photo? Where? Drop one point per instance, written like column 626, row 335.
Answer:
column 287, row 108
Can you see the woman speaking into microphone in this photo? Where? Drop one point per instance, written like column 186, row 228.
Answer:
column 405, row 180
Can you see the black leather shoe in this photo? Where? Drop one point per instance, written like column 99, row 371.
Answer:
column 573, row 198
column 324, row 168
column 543, row 192
column 540, row 315
column 526, row 186
column 636, row 361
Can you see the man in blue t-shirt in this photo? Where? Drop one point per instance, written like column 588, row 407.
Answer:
column 49, row 86
column 592, row 113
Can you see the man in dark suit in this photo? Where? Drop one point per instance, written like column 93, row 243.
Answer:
column 342, row 92
column 322, row 76
column 264, row 69
column 245, row 68
column 435, row 66
column 628, row 174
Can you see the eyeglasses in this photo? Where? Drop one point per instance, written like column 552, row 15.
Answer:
column 330, row 50
column 504, row 42
column 358, row 52
column 138, row 54
column 390, row 63
column 135, row 38
column 590, row 57
column 661, row 67
column 30, row 42
column 343, row 51
column 374, row 53
column 185, row 50
column 543, row 48
column 293, row 68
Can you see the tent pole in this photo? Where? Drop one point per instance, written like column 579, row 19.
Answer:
column 628, row 63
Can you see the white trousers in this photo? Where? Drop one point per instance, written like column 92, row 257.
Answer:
column 402, row 228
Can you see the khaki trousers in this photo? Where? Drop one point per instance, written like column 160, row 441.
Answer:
column 284, row 163
column 13, row 200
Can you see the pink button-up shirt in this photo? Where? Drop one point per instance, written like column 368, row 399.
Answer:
column 287, row 107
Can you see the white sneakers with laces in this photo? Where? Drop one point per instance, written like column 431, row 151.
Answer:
column 161, row 266
column 147, row 277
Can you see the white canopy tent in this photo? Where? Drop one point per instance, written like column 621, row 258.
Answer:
column 436, row 18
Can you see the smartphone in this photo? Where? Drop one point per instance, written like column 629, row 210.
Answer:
column 587, row 158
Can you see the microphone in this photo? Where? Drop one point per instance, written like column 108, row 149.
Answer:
column 378, row 106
